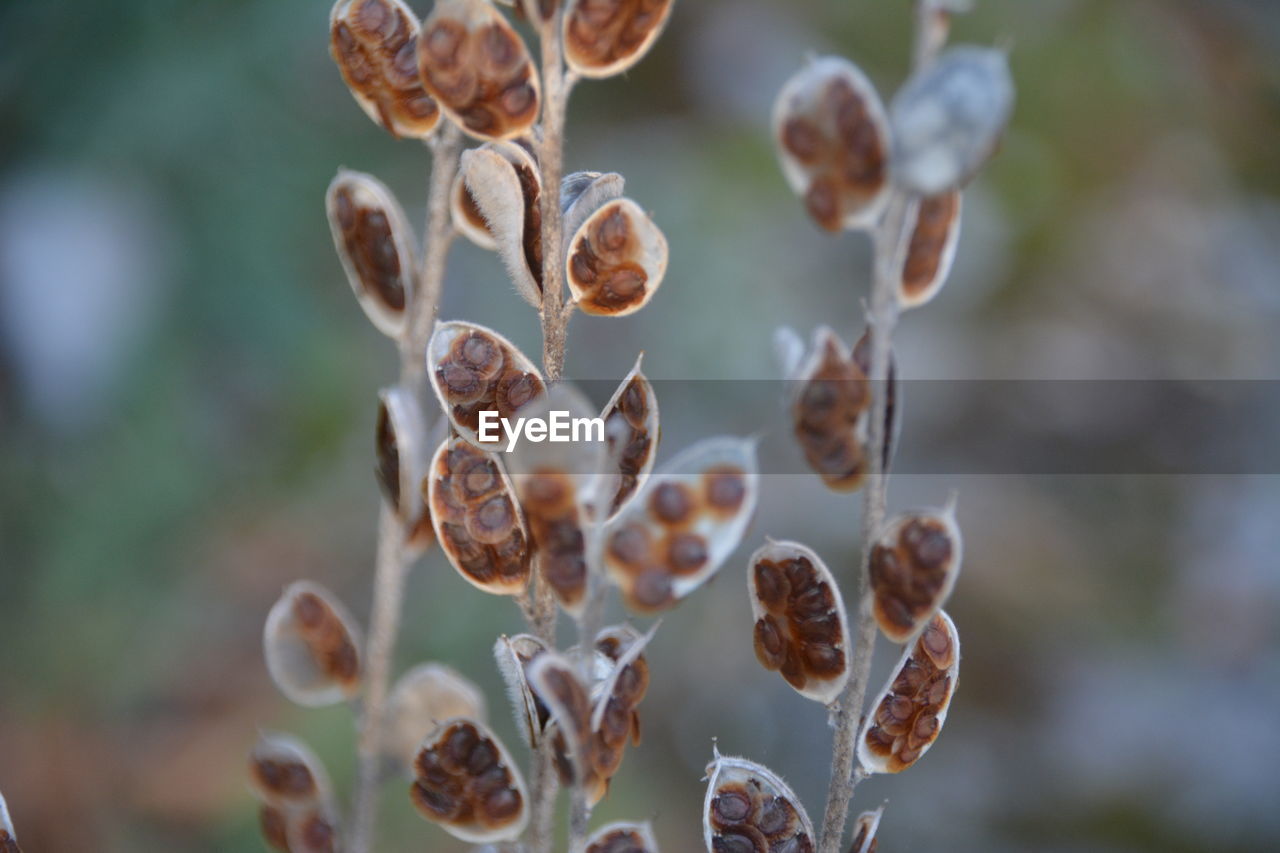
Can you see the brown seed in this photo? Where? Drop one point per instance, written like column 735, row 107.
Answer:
column 726, row 489
column 671, row 503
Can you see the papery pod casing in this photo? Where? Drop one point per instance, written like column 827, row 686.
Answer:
column 935, row 233
column 478, row 521
column 615, row 718
column 623, row 837
column 475, row 369
column 907, row 717
column 424, row 697
column 375, row 245
column 375, row 44
column 750, row 808
column 313, row 829
column 833, row 143
column 312, row 646
column 556, row 683
column 403, row 453
column 504, row 182
column 8, row 835
column 606, row 37
column 864, row 832
column 632, row 428
column 467, row 782
column 582, row 194
column 513, row 656
column 913, row 568
column 948, row 118
column 617, row 259
column 478, row 69
column 465, row 213
column 684, row 524
column 801, row 629
column 298, row 811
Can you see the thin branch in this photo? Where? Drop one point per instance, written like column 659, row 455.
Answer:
column 556, row 86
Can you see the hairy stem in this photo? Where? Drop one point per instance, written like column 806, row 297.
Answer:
column 556, row 86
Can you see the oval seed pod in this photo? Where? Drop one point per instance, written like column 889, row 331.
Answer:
column 623, row 837
column 505, row 184
column 864, row 832
column 424, row 697
column 313, row 829
column 632, row 429
column 514, row 655
column 913, row 568
column 830, row 411
column 468, row 783
column 375, row 245
column 801, row 629
column 833, row 143
column 607, row 37
column 934, row 237
column 283, row 771
column 400, row 444
column 749, row 808
column 312, row 646
column 582, row 194
column 554, row 680
column 681, row 527
column 273, row 823
column 477, row 519
column 615, row 718
column 617, row 259
column 464, row 210
column 478, row 69
column 908, row 714
column 474, row 369
column 8, row 835
column 948, row 118
column 375, row 44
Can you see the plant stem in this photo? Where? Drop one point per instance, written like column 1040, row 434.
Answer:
column 556, row 86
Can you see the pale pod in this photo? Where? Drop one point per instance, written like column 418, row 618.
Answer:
column 935, row 233
column 8, row 835
column 617, row 259
column 497, row 203
column 864, row 831
column 402, row 453
column 311, row 646
column 513, row 656
column 606, row 37
column 632, row 429
column 424, row 697
column 749, row 808
column 623, row 837
column 466, row 781
column 913, row 568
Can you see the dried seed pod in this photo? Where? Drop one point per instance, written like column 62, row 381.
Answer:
column 616, row 260
column 8, row 835
column 284, row 772
column 477, row 519
column 623, row 837
column 504, row 185
column 311, row 645
column 749, row 808
column 948, row 118
column 313, row 829
column 910, row 710
column 632, row 429
column 934, row 237
column 682, row 526
column 606, row 37
column 425, row 696
column 864, row 831
column 475, row 369
column 273, row 823
column 478, row 69
column 467, row 782
column 514, row 655
column 829, row 413
column 582, row 194
column 913, row 566
column 465, row 212
column 554, row 680
column 402, row 452
column 833, row 143
column 615, row 718
column 375, row 245
column 801, row 629
column 375, row 43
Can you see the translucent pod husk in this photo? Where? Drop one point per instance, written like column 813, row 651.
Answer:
column 616, row 260
column 833, row 142
column 467, row 782
column 582, row 194
column 602, row 39
column 688, row 519
column 829, row 411
column 402, row 451
column 935, row 233
column 504, row 183
column 8, row 835
column 948, row 118
column 425, row 696
column 374, row 43
column 623, row 836
column 474, row 369
column 555, row 682
column 285, row 772
column 376, row 247
column 907, row 716
column 478, row 69
column 615, row 716
column 801, row 628
column 632, row 428
column 913, row 568
column 313, row 829
column 312, row 646
column 865, row 827
column 744, row 799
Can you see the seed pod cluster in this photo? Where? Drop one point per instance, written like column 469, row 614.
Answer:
column 551, row 504
column 8, row 835
column 424, row 697
column 911, row 709
column 749, row 809
column 375, row 245
column 622, row 838
column 497, row 203
column 555, row 681
column 514, row 656
column 297, row 813
column 864, row 832
column 607, row 37
column 833, row 143
column 467, row 782
column 617, row 259
column 934, row 237
column 375, row 44
column 477, row 520
column 474, row 369
column 913, row 567
column 400, row 446
column 478, row 69
column 801, row 629
column 311, row 646
column 682, row 526
column 632, row 429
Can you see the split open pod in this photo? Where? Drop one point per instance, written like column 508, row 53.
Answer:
column 497, row 203
column 311, row 646
column 514, row 655
column 424, row 697
column 623, row 837
column 935, row 233
column 914, row 564
column 467, row 782
column 632, row 429
column 617, row 258
column 607, row 37
column 750, row 809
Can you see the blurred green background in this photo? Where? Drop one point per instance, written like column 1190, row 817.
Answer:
column 187, row 402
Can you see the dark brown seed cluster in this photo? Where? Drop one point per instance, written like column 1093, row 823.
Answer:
column 927, row 250
column 478, row 70
column 908, row 720
column 374, row 43
column 550, row 504
column 463, row 781
column 326, row 637
column 605, row 263
column 369, row 244
column 480, row 373
column 601, row 35
column 746, row 818
column 620, row 840
column 910, row 575
column 282, row 779
column 274, row 826
column 800, row 633
column 621, row 718
column 479, row 523
column 825, row 416
column 294, row 815
column 630, row 441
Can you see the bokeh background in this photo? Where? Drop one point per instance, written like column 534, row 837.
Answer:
column 187, row 402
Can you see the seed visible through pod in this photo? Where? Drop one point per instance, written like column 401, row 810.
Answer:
column 465, row 378
column 622, row 837
column 284, row 771
column 632, row 429
column 311, row 646
column 607, row 37
column 424, row 697
column 913, row 566
column 467, row 782
column 829, row 413
column 617, row 260
column 749, row 808
column 934, row 238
